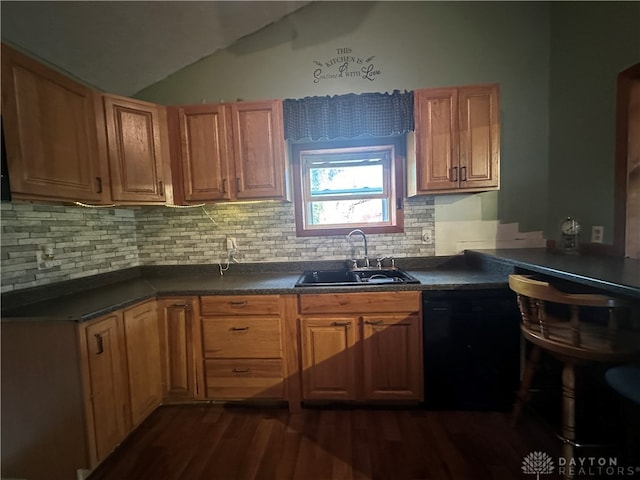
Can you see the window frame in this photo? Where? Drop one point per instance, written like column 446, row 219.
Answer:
column 395, row 183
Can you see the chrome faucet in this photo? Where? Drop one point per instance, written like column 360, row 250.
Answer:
column 366, row 250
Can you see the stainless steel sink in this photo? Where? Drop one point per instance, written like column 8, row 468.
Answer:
column 356, row 277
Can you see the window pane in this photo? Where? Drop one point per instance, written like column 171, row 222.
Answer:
column 346, row 180
column 355, row 211
column 345, row 184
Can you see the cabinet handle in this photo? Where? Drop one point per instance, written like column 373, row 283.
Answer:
column 241, row 370
column 224, row 185
column 98, row 184
column 341, row 324
column 237, row 184
column 161, row 187
column 100, row 343
column 374, row 322
column 239, row 329
column 463, row 174
column 186, row 306
column 238, row 303
column 454, row 174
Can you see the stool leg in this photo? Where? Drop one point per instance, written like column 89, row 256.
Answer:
column 525, row 384
column 568, row 412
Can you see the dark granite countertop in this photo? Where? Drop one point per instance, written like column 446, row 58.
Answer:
column 84, row 299
column 96, row 299
column 618, row 276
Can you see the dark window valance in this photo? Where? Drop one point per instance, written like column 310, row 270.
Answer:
column 348, row 116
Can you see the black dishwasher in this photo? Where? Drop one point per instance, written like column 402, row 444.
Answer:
column 471, row 349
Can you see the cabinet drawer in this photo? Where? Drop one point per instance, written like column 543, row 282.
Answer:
column 361, row 302
column 244, row 379
column 240, row 305
column 246, row 337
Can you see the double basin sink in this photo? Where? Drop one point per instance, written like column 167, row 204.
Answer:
column 356, row 277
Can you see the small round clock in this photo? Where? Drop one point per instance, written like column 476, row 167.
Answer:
column 570, row 229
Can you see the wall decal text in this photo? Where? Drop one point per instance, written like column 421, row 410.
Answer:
column 345, row 65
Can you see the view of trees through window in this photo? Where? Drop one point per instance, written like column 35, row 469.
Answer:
column 333, row 188
column 342, row 187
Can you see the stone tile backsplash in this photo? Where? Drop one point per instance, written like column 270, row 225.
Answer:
column 87, row 241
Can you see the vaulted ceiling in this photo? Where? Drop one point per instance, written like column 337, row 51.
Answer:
column 122, row 47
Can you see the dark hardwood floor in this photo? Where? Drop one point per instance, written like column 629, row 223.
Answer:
column 210, row 442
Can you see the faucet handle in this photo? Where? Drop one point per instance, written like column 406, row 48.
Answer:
column 379, row 261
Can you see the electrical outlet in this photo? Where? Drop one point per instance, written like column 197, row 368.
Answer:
column 427, row 235
column 597, row 234
column 45, row 263
column 231, row 243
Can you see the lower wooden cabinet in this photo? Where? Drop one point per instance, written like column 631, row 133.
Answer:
column 361, row 346
column 144, row 368
column 241, row 347
column 45, row 432
column 392, row 357
column 71, row 392
column 176, row 317
column 244, row 379
column 105, row 379
column 329, row 358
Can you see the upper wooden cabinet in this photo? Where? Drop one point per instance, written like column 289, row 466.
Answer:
column 229, row 151
column 456, row 144
column 258, row 149
column 50, row 133
column 138, row 150
column 200, row 152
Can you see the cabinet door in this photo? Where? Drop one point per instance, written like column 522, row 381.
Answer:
column 50, row 133
column 479, row 137
column 258, row 149
column 436, row 140
column 456, row 141
column 204, row 152
column 392, row 351
column 176, row 318
column 143, row 357
column 137, row 145
column 329, row 358
column 108, row 408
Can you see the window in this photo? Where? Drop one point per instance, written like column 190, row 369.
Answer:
column 340, row 186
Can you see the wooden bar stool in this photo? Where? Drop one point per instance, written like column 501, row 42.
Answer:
column 563, row 324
